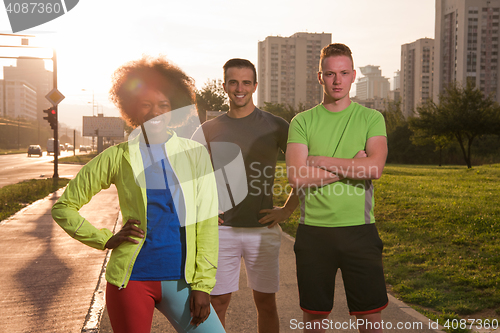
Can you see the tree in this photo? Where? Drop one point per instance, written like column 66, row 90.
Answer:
column 463, row 113
column 65, row 138
column 128, row 129
column 420, row 138
column 401, row 148
column 285, row 111
column 393, row 115
column 211, row 97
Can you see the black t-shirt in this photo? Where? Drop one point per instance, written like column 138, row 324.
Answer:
column 260, row 136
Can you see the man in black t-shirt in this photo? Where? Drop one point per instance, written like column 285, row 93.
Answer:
column 250, row 229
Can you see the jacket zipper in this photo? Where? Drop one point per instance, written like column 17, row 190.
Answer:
column 130, row 264
column 138, row 246
column 183, row 198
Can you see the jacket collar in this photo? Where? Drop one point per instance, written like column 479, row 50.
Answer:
column 135, row 159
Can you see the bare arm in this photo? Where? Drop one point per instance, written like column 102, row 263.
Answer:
column 291, row 202
column 199, row 305
column 369, row 167
column 280, row 214
column 300, row 174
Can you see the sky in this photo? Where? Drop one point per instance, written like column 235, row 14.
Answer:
column 96, row 37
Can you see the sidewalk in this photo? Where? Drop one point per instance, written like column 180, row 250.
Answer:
column 52, row 283
column 242, row 316
column 48, row 278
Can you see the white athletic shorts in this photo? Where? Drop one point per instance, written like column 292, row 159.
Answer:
column 259, row 247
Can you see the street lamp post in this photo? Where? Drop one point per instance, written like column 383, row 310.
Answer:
column 93, row 105
column 56, row 131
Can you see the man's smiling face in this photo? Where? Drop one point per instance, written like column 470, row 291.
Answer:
column 240, row 86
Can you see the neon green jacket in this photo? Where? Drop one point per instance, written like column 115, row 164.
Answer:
column 123, row 166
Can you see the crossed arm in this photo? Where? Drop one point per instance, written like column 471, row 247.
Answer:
column 304, row 170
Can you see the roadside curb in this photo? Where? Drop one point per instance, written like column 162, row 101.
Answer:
column 33, row 204
column 98, row 303
column 411, row 311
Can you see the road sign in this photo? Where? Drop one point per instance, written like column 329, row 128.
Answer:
column 54, row 96
column 106, row 126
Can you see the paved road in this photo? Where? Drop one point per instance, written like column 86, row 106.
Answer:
column 15, row 168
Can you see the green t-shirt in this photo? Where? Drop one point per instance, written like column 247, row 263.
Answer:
column 337, row 134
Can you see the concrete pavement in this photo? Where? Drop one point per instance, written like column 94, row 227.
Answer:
column 48, row 278
column 242, row 315
column 52, row 283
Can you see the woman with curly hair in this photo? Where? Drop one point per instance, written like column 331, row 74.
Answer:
column 165, row 254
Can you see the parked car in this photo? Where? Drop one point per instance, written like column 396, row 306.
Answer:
column 83, row 148
column 68, row 146
column 35, row 150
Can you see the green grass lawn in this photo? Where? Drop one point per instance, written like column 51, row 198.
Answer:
column 15, row 197
column 78, row 159
column 13, row 151
column 441, row 230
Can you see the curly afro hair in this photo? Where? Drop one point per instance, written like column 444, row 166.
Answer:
column 154, row 73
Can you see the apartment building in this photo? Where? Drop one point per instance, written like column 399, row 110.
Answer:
column 417, row 65
column 372, row 84
column 33, row 72
column 18, row 99
column 288, row 67
column 466, row 45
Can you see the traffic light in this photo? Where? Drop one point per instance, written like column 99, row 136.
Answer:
column 51, row 117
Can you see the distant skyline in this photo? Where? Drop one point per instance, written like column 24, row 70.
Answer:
column 96, row 37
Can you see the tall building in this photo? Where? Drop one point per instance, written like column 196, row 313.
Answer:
column 372, row 84
column 377, row 103
column 397, row 80
column 466, row 45
column 417, row 63
column 19, row 99
column 394, row 95
column 34, row 73
column 288, row 67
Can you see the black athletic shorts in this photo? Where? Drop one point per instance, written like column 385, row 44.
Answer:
column 356, row 251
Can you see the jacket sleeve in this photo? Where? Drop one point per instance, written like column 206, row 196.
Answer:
column 207, row 227
column 94, row 176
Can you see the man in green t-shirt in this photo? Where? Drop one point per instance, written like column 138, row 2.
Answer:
column 334, row 151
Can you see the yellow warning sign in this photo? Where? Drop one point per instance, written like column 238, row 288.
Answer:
column 54, row 96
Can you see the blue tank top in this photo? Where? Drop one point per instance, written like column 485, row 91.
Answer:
column 163, row 254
